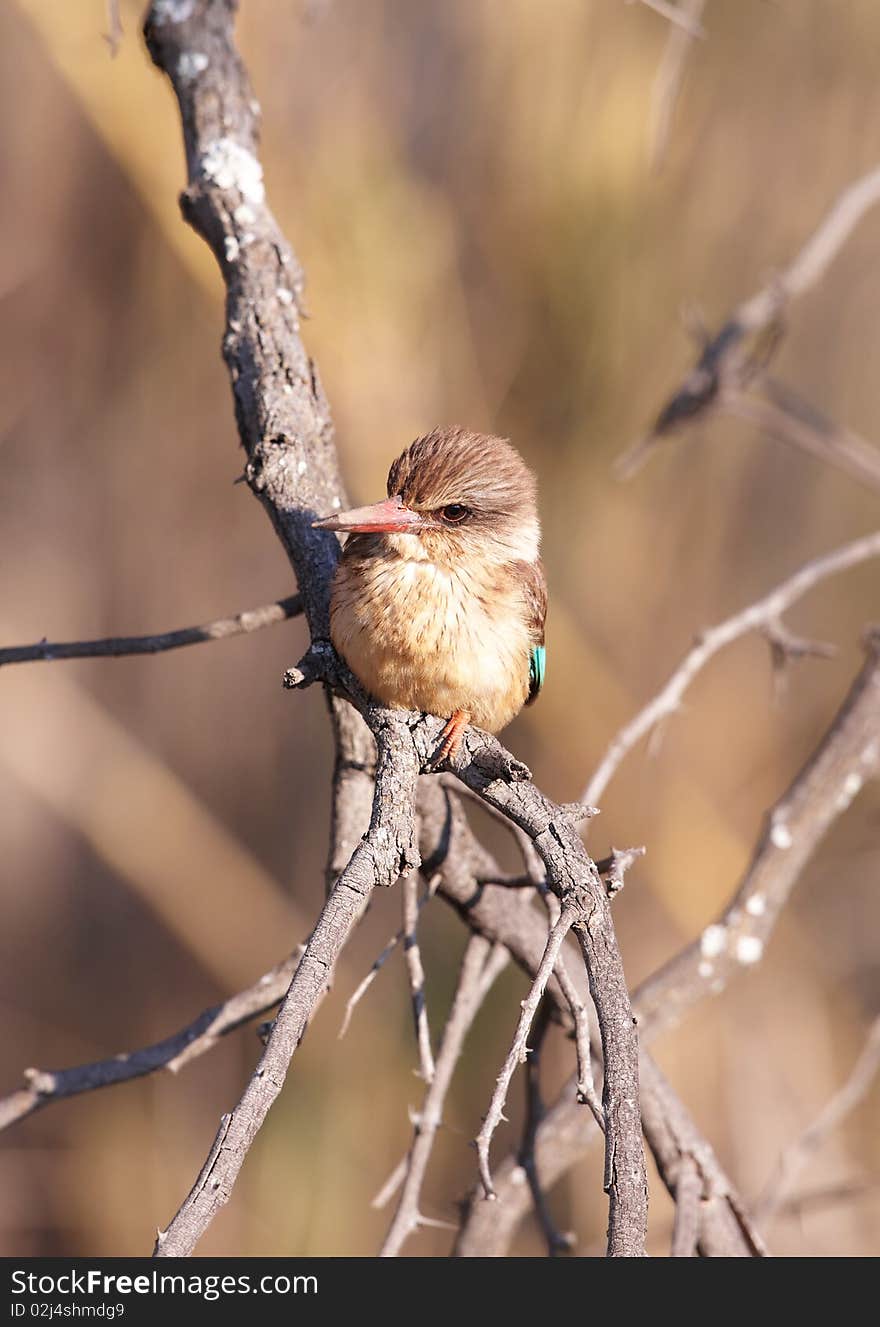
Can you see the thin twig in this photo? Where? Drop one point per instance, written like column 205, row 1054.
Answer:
column 115, row 31
column 253, row 619
column 763, row 614
column 362, row 988
column 670, row 75
column 43, row 1086
column 585, row 1086
column 558, row 1242
column 481, row 965
column 793, row 422
column 518, row 1050
column 416, row 974
column 796, row 1156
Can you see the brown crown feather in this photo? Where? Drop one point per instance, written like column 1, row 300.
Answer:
column 454, row 465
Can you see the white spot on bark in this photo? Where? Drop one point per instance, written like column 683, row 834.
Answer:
column 852, row 785
column 231, row 166
column 713, row 941
column 190, row 64
column 301, row 467
column 244, row 215
column 230, row 244
column 706, row 969
column 283, row 296
column 749, row 949
column 336, row 504
column 518, row 1177
column 172, row 11
column 780, row 836
column 756, row 906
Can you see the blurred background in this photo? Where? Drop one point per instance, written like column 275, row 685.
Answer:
column 469, row 186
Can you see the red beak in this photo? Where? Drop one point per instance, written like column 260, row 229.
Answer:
column 383, row 517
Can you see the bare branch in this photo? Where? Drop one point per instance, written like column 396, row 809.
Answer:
column 518, row 1051
column 43, row 1086
column 793, row 422
column 847, row 756
column 115, row 31
column 509, row 919
column 557, row 1242
column 480, row 967
column 724, row 1228
column 670, row 75
column 731, row 358
column 764, row 614
column 416, row 975
column 679, row 16
column 795, row 1157
column 253, row 619
column 585, row 1087
column 387, row 851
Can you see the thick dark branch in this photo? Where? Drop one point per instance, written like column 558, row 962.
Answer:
column 113, row 647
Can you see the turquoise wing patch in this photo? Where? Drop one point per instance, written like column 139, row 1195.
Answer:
column 537, row 671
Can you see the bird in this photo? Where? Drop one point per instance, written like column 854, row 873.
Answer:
column 439, row 599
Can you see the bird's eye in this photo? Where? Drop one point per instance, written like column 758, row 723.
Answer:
column 455, row 513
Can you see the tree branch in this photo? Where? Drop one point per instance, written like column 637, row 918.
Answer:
column 795, row 1157
column 480, row 966
column 252, row 619
column 764, row 614
column 387, row 851
column 739, row 350
column 670, row 75
column 847, row 756
column 43, row 1086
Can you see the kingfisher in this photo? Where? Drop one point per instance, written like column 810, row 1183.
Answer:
column 439, row 599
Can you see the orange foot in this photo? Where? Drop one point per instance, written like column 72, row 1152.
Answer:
column 451, row 736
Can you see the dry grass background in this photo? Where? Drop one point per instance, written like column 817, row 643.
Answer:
column 467, row 186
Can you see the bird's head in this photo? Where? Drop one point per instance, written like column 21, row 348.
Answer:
column 454, row 494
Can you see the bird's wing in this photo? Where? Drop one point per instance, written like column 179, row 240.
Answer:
column 534, row 586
